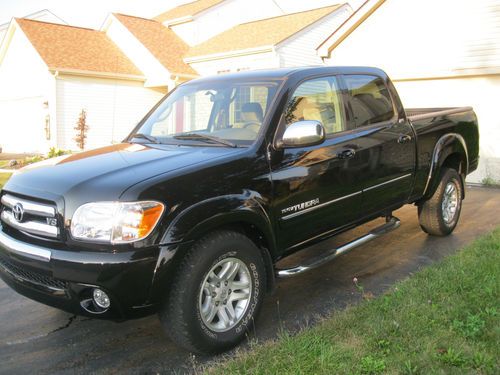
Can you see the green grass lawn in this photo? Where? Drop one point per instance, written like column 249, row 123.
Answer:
column 3, row 178
column 444, row 319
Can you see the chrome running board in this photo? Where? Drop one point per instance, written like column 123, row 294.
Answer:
column 312, row 263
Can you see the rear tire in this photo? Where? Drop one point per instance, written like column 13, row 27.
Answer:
column 439, row 214
column 216, row 293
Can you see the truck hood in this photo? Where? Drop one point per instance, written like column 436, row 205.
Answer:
column 104, row 173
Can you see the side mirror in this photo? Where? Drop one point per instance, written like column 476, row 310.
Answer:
column 303, row 134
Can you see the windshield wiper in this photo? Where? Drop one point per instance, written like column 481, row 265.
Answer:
column 204, row 137
column 149, row 138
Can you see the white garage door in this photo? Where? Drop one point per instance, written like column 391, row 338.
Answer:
column 22, row 125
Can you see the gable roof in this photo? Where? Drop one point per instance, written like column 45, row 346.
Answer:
column 42, row 15
column 348, row 26
column 186, row 10
column 71, row 48
column 267, row 32
column 162, row 42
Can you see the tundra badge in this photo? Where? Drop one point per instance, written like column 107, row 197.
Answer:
column 300, row 206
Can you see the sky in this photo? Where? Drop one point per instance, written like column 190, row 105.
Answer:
column 91, row 13
column 86, row 13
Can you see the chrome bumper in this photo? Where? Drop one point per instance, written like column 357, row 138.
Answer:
column 21, row 248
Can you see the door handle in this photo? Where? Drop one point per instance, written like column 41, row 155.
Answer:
column 346, row 154
column 404, row 139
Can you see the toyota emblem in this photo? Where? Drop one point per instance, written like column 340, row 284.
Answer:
column 18, row 212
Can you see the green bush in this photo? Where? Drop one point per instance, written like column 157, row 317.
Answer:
column 33, row 159
column 55, row 152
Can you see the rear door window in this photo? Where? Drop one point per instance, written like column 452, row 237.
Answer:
column 369, row 99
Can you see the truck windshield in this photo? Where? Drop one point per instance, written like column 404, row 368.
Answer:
column 225, row 114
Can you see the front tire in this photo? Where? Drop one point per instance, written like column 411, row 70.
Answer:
column 216, row 293
column 439, row 214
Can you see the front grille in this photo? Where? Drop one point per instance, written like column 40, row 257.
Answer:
column 31, row 276
column 30, row 217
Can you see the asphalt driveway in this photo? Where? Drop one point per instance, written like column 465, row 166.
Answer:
column 39, row 339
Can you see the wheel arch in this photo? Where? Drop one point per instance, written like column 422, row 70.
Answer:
column 236, row 212
column 450, row 152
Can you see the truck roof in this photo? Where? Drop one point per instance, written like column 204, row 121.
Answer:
column 285, row 73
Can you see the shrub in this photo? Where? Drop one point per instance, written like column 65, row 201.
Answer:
column 81, row 130
column 55, row 152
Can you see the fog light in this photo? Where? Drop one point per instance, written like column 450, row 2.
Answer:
column 101, row 299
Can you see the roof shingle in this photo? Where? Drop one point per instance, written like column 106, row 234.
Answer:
column 162, row 42
column 75, row 48
column 189, row 9
column 267, row 32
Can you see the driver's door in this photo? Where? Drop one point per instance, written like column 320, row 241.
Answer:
column 317, row 188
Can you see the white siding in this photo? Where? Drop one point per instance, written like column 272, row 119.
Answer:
column 478, row 92
column 427, row 38
column 25, row 84
column 439, row 53
column 237, row 63
column 113, row 108
column 482, row 38
column 300, row 50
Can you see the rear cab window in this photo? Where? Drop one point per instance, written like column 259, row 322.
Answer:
column 369, row 99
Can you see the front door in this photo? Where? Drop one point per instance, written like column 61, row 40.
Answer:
column 387, row 147
column 317, row 188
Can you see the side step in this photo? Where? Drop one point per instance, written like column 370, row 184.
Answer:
column 392, row 223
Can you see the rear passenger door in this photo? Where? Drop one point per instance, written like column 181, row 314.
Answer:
column 386, row 145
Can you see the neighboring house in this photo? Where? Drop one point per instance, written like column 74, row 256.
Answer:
column 155, row 49
column 198, row 21
column 50, row 72
column 42, row 15
column 439, row 53
column 282, row 41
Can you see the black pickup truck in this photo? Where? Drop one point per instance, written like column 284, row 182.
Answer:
column 226, row 176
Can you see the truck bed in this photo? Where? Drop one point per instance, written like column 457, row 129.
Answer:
column 415, row 114
column 430, row 124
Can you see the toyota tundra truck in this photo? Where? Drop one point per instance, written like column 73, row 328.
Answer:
column 224, row 177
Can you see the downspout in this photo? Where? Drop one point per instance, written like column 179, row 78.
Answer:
column 53, row 142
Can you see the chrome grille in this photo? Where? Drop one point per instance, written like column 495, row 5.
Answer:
column 29, row 216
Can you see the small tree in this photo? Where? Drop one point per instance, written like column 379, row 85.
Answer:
column 81, row 129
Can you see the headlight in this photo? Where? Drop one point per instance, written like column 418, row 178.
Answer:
column 115, row 222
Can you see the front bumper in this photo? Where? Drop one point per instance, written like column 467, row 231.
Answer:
column 65, row 278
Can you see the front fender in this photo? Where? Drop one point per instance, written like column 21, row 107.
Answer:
column 203, row 217
column 212, row 213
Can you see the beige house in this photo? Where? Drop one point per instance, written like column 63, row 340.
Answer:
column 275, row 42
column 439, row 53
column 50, row 72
